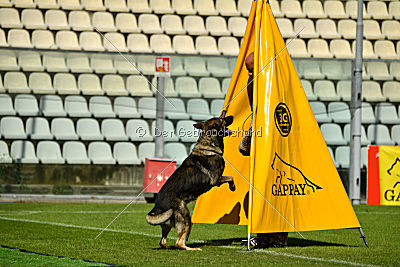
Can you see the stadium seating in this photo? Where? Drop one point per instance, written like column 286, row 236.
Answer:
column 125, row 153
column 63, row 129
column 333, row 134
column 76, row 106
column 12, row 128
column 386, row 113
column 26, row 105
column 6, row 105
column 138, row 130
column 186, row 132
column 168, row 132
column 23, row 152
column 88, row 129
column 339, row 112
column 100, row 153
column 174, row 109
column 4, row 153
column 74, row 152
column 319, row 111
column 51, row 106
column 48, row 152
column 379, row 134
column 125, row 107
column 38, row 129
column 396, row 134
column 198, row 109
column 342, row 156
column 175, row 151
column 113, row 130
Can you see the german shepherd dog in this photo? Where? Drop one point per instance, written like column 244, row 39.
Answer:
column 199, row 172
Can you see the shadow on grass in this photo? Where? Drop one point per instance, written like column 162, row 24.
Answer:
column 292, row 242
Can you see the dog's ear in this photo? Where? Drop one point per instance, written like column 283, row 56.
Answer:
column 198, row 125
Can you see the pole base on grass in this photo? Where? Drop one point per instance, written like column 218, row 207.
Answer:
column 363, row 237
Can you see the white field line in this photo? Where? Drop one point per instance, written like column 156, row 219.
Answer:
column 22, row 212
column 281, row 254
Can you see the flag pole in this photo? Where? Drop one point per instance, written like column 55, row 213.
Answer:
column 363, row 237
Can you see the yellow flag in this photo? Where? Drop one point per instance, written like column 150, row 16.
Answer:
column 389, row 175
column 295, row 185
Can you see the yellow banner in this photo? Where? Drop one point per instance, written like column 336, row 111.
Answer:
column 389, row 175
column 296, row 185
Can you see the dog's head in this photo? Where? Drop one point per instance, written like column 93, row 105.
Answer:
column 215, row 129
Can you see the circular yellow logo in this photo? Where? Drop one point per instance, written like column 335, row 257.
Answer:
column 283, row 119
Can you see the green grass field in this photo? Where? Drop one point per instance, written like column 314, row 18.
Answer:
column 69, row 230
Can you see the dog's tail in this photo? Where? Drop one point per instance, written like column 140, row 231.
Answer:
column 156, row 216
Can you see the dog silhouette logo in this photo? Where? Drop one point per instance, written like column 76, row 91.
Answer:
column 283, row 119
column 290, row 180
column 393, row 194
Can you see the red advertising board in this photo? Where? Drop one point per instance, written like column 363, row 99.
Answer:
column 156, row 173
column 162, row 66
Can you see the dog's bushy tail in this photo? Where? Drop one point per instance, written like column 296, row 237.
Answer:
column 156, row 216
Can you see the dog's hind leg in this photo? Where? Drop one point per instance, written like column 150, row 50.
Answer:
column 183, row 226
column 166, row 228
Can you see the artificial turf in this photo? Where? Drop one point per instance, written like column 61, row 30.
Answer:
column 69, row 230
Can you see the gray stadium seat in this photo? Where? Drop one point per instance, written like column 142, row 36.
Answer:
column 339, row 112
column 308, row 90
column 186, row 132
column 100, row 107
column 146, row 150
column 125, row 153
column 364, row 157
column 63, row 129
column 8, row 61
column 138, row 85
column 56, row 20
column 218, row 67
column 371, row 92
column 102, row 64
column 342, row 155
column 26, row 105
column 325, row 90
column 113, row 130
column 88, row 129
column 76, row 106
column 23, row 152
column 74, row 152
column 125, row 107
column 40, row 83
column 207, row 45
column 100, row 153
column 216, row 107
column 378, row 71
column 139, row 6
column 146, row 64
column 12, row 128
column 78, row 63
column 4, row 154
column 52, row 106
column 168, row 132
column 216, row 26
column 138, row 130
column 147, row 107
column 114, row 85
column 169, row 87
column 30, row 61
column 89, row 84
column 396, row 134
column 198, row 109
column 187, row 87
column 174, row 109
column 333, row 157
column 310, row 69
column 103, row 21
column 210, row 87
column 177, row 66
column 48, row 152
column 347, row 135
column 344, row 90
column 333, row 134
column 379, row 134
column 391, row 90
column 196, row 66
column 38, row 128
column 126, row 23
column 194, row 25
column 319, row 111
column 125, row 66
column 386, row 113
column 6, row 105
column 15, row 82
column 65, row 84
column 176, row 151
column 367, row 113
column 334, row 70
column 183, row 7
